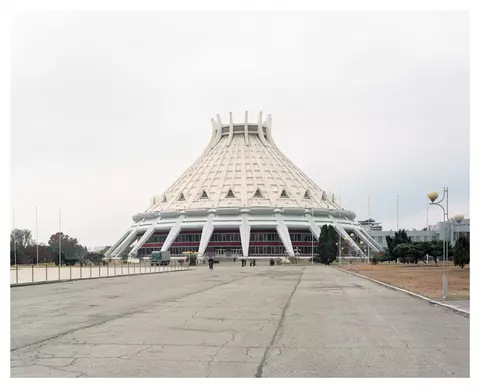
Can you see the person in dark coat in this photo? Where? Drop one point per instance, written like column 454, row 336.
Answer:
column 210, row 264
column 254, row 263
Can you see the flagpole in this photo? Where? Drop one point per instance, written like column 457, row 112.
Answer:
column 36, row 227
column 397, row 212
column 369, row 231
column 14, row 238
column 427, row 227
column 60, row 237
column 427, row 214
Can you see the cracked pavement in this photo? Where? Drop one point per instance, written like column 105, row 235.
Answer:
column 261, row 321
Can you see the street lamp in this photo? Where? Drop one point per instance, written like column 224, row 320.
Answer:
column 352, row 235
column 368, row 253
column 433, row 196
column 340, row 248
column 459, row 219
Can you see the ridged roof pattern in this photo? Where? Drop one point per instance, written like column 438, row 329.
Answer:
column 242, row 167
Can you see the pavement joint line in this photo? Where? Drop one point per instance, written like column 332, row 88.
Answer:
column 415, row 295
column 126, row 314
column 94, row 278
column 279, row 325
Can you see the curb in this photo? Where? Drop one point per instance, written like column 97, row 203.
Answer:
column 431, row 301
column 97, row 277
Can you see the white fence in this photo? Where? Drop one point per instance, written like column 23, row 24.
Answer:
column 21, row 274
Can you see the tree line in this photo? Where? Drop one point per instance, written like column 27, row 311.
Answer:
column 400, row 248
column 24, row 249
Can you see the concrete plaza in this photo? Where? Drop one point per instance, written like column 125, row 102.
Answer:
column 291, row 321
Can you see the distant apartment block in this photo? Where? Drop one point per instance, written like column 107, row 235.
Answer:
column 450, row 230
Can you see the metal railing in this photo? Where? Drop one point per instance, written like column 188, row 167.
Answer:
column 22, row 274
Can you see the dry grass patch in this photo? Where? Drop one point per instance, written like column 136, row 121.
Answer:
column 422, row 279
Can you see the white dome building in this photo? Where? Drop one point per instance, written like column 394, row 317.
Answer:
column 242, row 197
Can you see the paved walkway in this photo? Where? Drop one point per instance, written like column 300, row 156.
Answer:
column 234, row 322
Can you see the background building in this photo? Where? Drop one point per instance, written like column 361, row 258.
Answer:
column 450, row 230
column 371, row 224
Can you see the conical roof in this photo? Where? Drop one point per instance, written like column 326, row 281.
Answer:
column 242, row 167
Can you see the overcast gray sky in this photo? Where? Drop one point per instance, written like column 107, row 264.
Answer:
column 109, row 108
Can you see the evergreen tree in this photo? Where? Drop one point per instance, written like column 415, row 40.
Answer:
column 400, row 237
column 327, row 245
column 401, row 251
column 414, row 252
column 461, row 252
column 435, row 249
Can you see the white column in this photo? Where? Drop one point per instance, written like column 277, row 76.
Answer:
column 260, row 130
column 245, row 233
column 117, row 252
column 230, row 132
column 314, row 228
column 366, row 238
column 246, row 129
column 172, row 235
column 283, row 233
column 268, row 124
column 344, row 234
column 207, row 231
column 142, row 240
column 115, row 246
column 218, row 129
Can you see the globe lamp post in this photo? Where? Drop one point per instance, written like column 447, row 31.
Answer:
column 433, row 197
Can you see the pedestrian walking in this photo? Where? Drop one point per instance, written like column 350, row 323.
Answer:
column 254, row 262
column 210, row 264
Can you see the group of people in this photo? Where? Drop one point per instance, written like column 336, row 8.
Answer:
column 253, row 263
